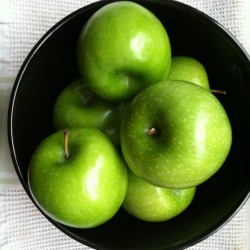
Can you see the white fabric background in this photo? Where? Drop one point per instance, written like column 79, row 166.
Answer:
column 22, row 23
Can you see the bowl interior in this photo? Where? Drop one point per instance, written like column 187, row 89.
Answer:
column 51, row 65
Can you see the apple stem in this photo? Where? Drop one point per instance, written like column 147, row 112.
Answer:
column 218, row 91
column 66, row 138
column 152, row 131
column 88, row 97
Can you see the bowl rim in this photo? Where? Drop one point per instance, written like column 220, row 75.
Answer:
column 190, row 242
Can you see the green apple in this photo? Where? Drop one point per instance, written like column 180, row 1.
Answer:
column 77, row 106
column 175, row 134
column 121, row 49
column 77, row 177
column 188, row 69
column 155, row 204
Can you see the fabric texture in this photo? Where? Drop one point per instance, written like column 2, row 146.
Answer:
column 22, row 23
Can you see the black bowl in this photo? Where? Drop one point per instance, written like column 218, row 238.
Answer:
column 51, row 65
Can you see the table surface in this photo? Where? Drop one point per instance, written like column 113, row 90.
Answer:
column 22, row 23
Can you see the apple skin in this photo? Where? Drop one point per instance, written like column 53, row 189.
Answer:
column 122, row 49
column 188, row 69
column 155, row 204
column 77, row 106
column 85, row 190
column 193, row 136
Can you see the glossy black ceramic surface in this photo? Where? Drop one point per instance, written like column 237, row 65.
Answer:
column 51, row 65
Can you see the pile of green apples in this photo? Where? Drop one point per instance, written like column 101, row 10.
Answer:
column 140, row 129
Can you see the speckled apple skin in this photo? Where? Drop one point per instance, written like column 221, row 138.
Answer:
column 85, row 190
column 185, row 68
column 122, row 49
column 194, row 136
column 155, row 204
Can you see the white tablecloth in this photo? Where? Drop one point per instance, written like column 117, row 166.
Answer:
column 22, row 23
